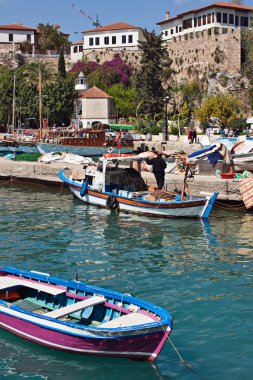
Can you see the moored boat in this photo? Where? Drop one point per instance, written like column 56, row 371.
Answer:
column 76, row 317
column 89, row 142
column 124, row 189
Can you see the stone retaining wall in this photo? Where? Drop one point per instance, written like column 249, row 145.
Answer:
column 229, row 190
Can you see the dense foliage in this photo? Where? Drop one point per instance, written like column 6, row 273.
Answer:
column 57, row 94
column 50, row 38
column 106, row 74
column 223, row 107
column 155, row 64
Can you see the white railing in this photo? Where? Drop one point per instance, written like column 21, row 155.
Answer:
column 26, row 55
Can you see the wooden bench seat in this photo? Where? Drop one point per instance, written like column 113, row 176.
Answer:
column 8, row 282
column 132, row 319
column 69, row 309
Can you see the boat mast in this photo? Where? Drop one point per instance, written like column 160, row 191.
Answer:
column 13, row 103
column 40, row 103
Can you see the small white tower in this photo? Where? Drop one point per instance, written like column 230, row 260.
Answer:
column 81, row 82
column 80, row 86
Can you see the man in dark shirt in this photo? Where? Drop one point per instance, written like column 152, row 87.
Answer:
column 159, row 166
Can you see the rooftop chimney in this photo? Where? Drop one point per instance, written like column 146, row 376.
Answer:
column 167, row 15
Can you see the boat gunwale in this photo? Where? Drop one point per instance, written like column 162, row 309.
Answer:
column 166, row 319
column 135, row 201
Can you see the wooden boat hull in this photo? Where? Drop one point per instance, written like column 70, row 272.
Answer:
column 19, row 149
column 142, row 347
column 79, row 150
column 140, row 341
column 193, row 208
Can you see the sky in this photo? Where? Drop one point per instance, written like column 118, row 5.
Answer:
column 143, row 13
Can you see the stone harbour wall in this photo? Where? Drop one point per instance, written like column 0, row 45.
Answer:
column 215, row 49
column 46, row 174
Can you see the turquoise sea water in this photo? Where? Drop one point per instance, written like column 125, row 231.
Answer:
column 201, row 272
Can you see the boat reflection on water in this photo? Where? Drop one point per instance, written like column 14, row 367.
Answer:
column 24, row 359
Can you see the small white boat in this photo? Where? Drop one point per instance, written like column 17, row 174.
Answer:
column 122, row 188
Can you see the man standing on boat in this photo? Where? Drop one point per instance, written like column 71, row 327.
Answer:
column 159, row 166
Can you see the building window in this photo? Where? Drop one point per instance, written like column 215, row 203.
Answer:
column 236, row 20
column 187, row 24
column 231, row 19
column 28, row 38
column 177, row 29
column 10, row 37
column 75, row 49
column 106, row 40
column 204, row 20
column 97, row 41
column 80, row 49
column 224, row 18
column 209, row 18
column 180, row 29
column 199, row 21
column 113, row 40
column 213, row 17
column 124, row 39
column 171, row 31
column 91, row 41
column 130, row 39
column 195, row 22
column 244, row 21
column 218, row 16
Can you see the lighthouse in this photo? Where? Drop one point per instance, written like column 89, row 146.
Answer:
column 81, row 84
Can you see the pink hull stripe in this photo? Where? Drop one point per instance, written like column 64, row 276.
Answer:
column 145, row 347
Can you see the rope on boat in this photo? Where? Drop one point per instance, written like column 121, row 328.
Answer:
column 10, row 180
column 186, row 364
column 231, row 207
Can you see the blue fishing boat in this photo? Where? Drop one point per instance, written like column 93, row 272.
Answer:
column 123, row 189
column 79, row 318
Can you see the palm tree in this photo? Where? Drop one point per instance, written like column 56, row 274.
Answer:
column 40, row 74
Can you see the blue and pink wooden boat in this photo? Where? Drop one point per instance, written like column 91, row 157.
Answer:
column 79, row 318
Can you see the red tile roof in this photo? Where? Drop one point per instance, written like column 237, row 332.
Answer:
column 16, row 27
column 218, row 5
column 115, row 26
column 77, row 43
column 95, row 93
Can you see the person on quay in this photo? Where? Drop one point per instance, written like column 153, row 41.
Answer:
column 159, row 166
column 194, row 135
column 190, row 135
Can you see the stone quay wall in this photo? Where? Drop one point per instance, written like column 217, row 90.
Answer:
column 215, row 49
column 47, row 174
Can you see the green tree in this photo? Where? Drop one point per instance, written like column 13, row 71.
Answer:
column 223, row 107
column 50, row 38
column 59, row 100
column 103, row 77
column 61, row 65
column 247, row 52
column 155, row 67
column 124, row 98
column 40, row 74
column 6, row 93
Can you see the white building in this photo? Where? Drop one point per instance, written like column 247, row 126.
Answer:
column 76, row 51
column 117, row 36
column 222, row 15
column 114, row 36
column 15, row 34
column 96, row 106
